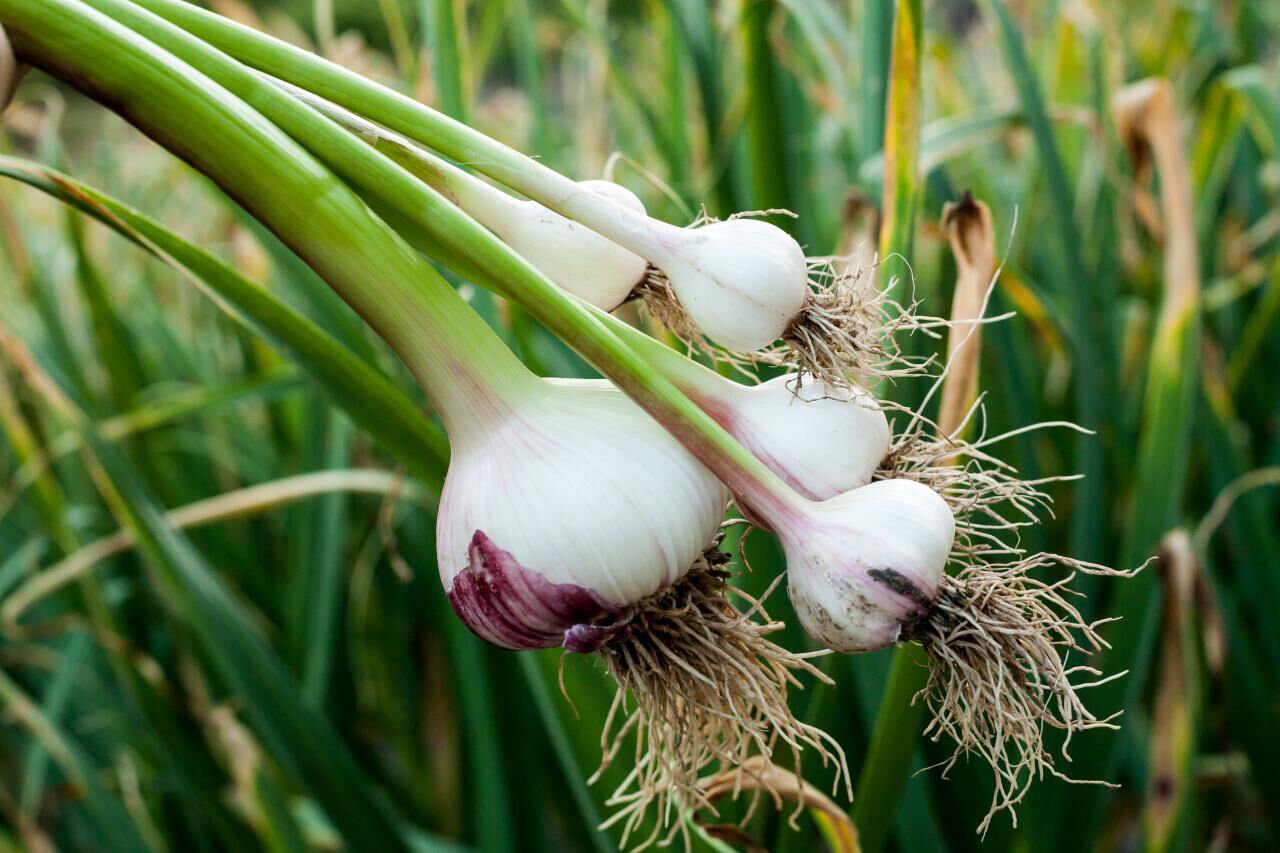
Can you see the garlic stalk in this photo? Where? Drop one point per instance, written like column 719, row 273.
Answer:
column 822, row 439
column 573, row 256
column 742, row 283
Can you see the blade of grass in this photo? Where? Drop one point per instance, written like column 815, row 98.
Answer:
column 35, row 766
column 528, row 62
column 894, row 739
column 1176, row 703
column 1146, row 116
column 705, row 47
column 371, row 401
column 1073, row 284
column 109, row 820
column 563, row 750
column 875, row 49
column 319, row 567
column 901, row 195
column 443, row 26
column 766, row 152
column 240, row 503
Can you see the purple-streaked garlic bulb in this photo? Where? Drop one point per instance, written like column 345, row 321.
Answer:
column 557, row 518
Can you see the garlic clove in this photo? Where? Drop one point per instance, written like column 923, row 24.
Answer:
column 864, row 566
column 517, row 608
column 742, row 281
column 573, row 256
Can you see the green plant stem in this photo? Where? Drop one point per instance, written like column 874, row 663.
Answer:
column 899, row 721
column 421, row 124
column 476, row 196
column 366, row 395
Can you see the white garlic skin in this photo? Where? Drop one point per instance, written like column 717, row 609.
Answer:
column 742, row 281
column 824, row 440
column 583, row 487
column 573, row 256
column 862, row 566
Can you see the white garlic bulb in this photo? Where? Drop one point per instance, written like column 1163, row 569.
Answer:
column 573, row 256
column 570, row 509
column 822, row 439
column 742, row 281
column 863, row 566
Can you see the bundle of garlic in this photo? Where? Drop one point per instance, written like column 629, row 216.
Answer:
column 866, row 559
column 569, row 517
column 580, row 514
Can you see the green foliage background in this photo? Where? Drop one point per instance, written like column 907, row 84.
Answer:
column 202, row 692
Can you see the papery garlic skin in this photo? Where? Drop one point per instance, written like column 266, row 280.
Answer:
column 823, row 440
column 742, row 281
column 583, row 488
column 865, row 565
column 573, row 256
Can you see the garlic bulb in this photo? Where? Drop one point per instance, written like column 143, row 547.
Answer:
column 572, row 508
column 866, row 565
column 743, row 282
column 823, row 440
column 570, row 254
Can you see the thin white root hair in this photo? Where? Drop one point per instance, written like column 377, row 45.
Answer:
column 850, row 328
column 998, row 640
column 700, row 687
column 991, row 502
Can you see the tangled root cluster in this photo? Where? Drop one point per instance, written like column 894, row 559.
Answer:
column 998, row 640
column 708, row 690
column 989, row 499
column 849, row 329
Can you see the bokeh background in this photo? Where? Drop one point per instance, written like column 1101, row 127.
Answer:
column 117, row 733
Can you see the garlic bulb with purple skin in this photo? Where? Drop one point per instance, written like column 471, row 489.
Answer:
column 559, row 517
